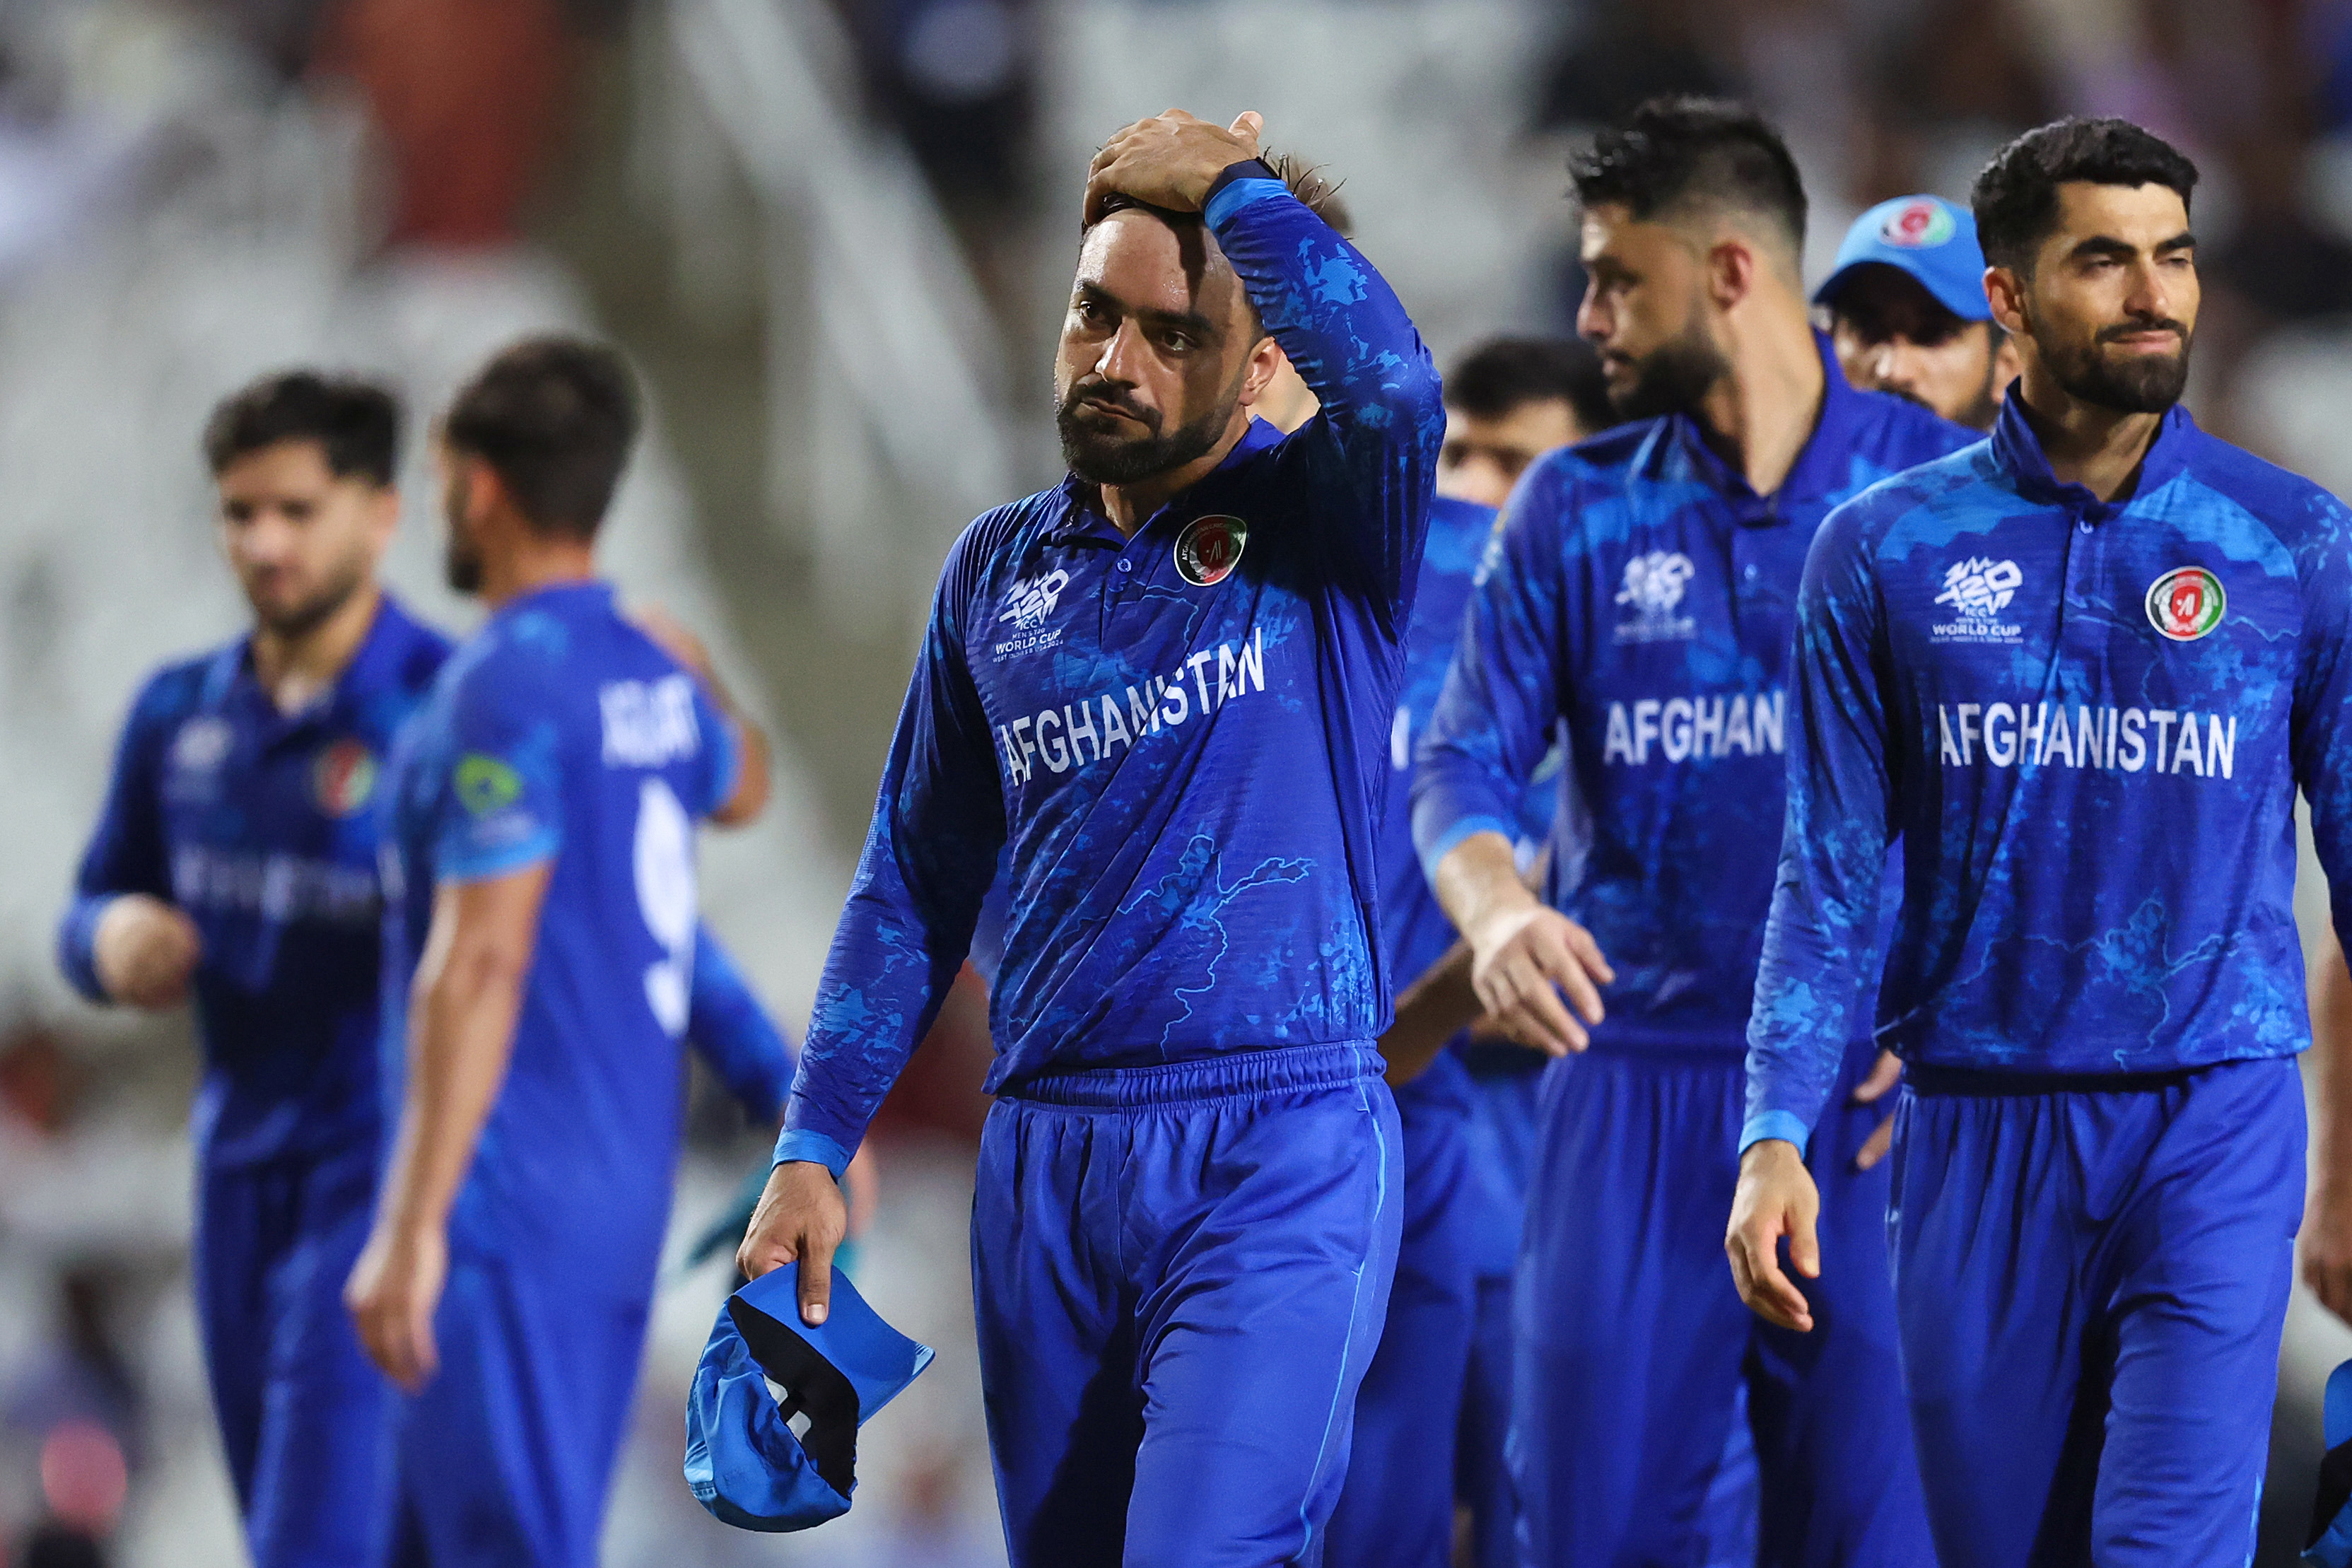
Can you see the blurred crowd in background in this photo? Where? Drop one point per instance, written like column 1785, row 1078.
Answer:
column 834, row 236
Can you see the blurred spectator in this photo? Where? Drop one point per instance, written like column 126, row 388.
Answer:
column 468, row 95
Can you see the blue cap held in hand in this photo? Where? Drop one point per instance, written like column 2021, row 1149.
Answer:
column 742, row 1461
column 1932, row 240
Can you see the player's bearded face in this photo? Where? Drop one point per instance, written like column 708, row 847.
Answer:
column 301, row 539
column 1645, row 312
column 1154, row 351
column 2111, row 305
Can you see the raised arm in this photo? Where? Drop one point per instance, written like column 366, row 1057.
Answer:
column 931, row 852
column 1821, row 941
column 1347, row 335
column 1335, row 317
column 1491, row 728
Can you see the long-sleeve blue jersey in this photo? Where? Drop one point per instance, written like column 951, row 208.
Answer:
column 1647, row 596
column 2087, row 721
column 258, row 825
column 1182, row 735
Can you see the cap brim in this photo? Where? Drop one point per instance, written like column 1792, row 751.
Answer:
column 1969, row 303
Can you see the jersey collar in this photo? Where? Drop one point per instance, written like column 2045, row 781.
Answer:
column 1083, row 522
column 231, row 677
column 2018, row 450
column 1824, row 463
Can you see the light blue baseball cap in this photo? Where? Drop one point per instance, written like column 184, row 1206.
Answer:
column 1932, row 240
column 744, row 1462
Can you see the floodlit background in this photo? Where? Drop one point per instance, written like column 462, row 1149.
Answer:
column 834, row 239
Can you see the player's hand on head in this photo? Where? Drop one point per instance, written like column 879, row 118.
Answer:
column 1884, row 1074
column 1776, row 1201
column 146, row 951
column 394, row 1291
column 1538, row 975
column 1168, row 160
column 801, row 1219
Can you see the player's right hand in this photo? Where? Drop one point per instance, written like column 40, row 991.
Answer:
column 801, row 1216
column 1524, row 960
column 146, row 950
column 1776, row 1199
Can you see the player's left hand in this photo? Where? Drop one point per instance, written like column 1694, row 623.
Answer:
column 1170, row 160
column 1884, row 1074
column 393, row 1293
column 2325, row 1248
column 1776, row 1199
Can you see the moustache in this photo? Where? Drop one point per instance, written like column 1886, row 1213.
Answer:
column 1103, row 394
column 2133, row 329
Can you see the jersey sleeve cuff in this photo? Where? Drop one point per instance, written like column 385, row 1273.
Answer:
column 488, row 864
column 1238, row 186
column 1444, row 843
column 1782, row 1124
column 78, row 943
column 800, row 1143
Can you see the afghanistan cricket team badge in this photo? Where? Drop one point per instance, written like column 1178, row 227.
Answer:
column 1209, row 548
column 2186, row 603
column 343, row 778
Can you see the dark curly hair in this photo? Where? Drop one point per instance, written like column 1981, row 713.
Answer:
column 1679, row 152
column 356, row 423
column 2016, row 197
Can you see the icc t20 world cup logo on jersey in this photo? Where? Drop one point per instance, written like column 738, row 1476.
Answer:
column 1654, row 584
column 2186, row 603
column 1209, row 548
column 1979, row 589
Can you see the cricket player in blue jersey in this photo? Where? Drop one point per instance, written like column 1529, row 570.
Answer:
column 1908, row 313
column 1433, row 1412
column 235, row 861
column 236, row 856
column 1644, row 596
column 540, row 879
column 2081, row 669
column 1168, row 685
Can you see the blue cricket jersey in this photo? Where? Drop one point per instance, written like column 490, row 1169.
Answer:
column 1414, row 926
column 2087, row 721
column 1646, row 595
column 258, row 825
column 560, row 732
column 1181, row 736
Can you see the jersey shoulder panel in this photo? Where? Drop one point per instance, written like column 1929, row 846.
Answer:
column 2226, row 482
column 1931, row 503
column 178, row 689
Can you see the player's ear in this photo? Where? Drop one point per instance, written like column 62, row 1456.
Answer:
column 1731, row 268
column 2005, row 291
column 1266, row 362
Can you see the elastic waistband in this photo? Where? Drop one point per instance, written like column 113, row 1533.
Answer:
column 1239, row 1073
column 1984, row 1081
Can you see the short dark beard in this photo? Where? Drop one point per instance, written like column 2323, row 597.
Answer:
column 1103, row 460
column 292, row 625
column 1674, row 377
column 2143, row 385
column 461, row 559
